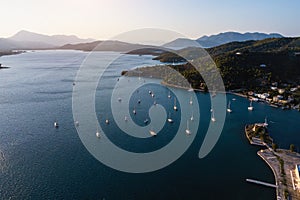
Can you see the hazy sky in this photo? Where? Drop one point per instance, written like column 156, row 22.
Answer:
column 102, row 19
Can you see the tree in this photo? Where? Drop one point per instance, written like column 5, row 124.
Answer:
column 274, row 146
column 292, row 147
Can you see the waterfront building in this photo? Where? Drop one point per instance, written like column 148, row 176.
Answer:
column 297, row 178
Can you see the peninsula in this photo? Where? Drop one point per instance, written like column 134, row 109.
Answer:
column 284, row 163
column 265, row 70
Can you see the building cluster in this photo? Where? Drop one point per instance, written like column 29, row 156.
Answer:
column 278, row 96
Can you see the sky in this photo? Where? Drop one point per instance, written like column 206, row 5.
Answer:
column 103, row 19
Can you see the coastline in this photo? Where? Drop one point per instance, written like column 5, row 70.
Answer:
column 282, row 163
column 271, row 98
column 201, row 90
column 261, row 155
column 9, row 53
column 216, row 92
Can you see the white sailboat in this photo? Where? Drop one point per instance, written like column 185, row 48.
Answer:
column 175, row 107
column 56, row 125
column 266, row 122
column 228, row 108
column 187, row 130
column 213, row 119
column 134, row 111
column 152, row 132
column 192, row 117
column 191, row 100
column 250, row 107
column 170, row 120
column 106, row 121
column 169, row 95
column 97, row 133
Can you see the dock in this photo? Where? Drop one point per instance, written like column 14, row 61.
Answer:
column 261, row 183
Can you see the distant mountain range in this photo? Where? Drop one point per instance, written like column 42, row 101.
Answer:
column 24, row 40
column 219, row 39
column 29, row 40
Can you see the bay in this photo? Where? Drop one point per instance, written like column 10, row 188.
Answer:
column 41, row 162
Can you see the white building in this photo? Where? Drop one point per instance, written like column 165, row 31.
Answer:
column 297, row 178
column 281, row 91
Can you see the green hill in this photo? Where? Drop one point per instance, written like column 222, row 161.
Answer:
column 249, row 64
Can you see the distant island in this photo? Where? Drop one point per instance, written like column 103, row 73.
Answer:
column 6, row 53
column 266, row 70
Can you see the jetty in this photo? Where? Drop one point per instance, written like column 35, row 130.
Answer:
column 261, row 183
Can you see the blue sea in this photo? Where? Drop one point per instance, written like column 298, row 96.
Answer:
column 38, row 161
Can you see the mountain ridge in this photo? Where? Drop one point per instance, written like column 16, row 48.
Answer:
column 30, row 40
column 219, row 39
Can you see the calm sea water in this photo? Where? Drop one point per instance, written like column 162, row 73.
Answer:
column 41, row 162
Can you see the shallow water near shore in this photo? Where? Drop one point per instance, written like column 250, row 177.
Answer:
column 41, row 162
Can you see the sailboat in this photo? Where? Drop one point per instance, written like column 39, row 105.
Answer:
column 250, row 107
column 192, row 117
column 266, row 122
column 134, row 111
column 56, row 125
column 107, row 121
column 170, row 120
column 97, row 133
column 187, row 130
column 191, row 101
column 146, row 121
column 213, row 119
column 169, row 95
column 175, row 107
column 152, row 132
column 228, row 108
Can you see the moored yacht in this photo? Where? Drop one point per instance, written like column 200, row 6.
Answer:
column 153, row 133
column 250, row 107
column 187, row 130
column 228, row 108
column 56, row 125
